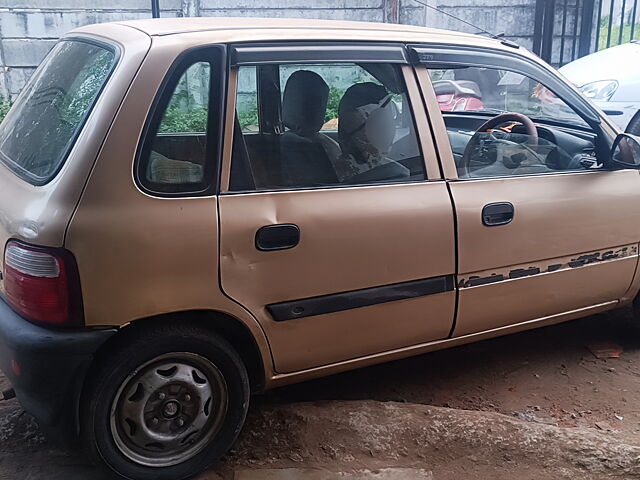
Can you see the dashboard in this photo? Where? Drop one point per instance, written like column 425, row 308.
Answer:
column 508, row 152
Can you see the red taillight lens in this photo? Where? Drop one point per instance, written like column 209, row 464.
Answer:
column 42, row 284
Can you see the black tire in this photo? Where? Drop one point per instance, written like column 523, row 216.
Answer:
column 634, row 125
column 116, row 370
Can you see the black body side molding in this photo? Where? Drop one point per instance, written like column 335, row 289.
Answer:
column 337, row 302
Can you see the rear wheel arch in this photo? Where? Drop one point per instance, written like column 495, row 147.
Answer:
column 226, row 326
column 115, row 429
column 231, row 329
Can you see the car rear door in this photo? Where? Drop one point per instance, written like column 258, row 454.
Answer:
column 332, row 271
column 547, row 244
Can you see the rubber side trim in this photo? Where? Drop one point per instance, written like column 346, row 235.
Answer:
column 337, row 302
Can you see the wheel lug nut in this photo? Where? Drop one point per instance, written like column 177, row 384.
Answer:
column 155, row 421
column 162, row 395
column 180, row 422
column 187, row 398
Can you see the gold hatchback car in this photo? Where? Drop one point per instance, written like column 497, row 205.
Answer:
column 192, row 210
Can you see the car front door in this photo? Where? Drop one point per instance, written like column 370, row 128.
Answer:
column 544, row 230
column 336, row 258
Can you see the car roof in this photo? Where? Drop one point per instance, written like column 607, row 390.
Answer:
column 172, row 26
column 232, row 29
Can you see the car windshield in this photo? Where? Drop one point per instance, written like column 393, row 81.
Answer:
column 41, row 127
column 493, row 91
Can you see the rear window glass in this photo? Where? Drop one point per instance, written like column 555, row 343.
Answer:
column 42, row 125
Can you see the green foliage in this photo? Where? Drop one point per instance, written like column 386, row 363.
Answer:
column 85, row 87
column 248, row 117
column 179, row 120
column 4, row 108
column 335, row 94
column 615, row 33
column 187, row 111
column 183, row 114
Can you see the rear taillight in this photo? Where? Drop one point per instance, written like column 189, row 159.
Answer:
column 42, row 284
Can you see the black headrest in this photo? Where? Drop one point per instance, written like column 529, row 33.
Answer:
column 304, row 103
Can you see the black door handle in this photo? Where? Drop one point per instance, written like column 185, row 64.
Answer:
column 277, row 237
column 499, row 213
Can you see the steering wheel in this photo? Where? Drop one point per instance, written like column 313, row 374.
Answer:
column 496, row 121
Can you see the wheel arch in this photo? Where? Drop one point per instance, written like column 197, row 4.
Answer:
column 227, row 326
column 233, row 330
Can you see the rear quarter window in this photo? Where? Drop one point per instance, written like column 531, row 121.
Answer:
column 45, row 121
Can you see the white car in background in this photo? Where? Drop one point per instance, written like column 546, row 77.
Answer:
column 611, row 79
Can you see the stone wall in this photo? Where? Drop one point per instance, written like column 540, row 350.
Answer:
column 28, row 28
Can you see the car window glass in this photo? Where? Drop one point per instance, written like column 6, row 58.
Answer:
column 503, row 123
column 247, row 105
column 177, row 154
column 342, row 124
column 43, row 124
column 343, row 76
column 487, row 89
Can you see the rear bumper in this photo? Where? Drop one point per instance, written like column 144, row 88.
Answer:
column 47, row 367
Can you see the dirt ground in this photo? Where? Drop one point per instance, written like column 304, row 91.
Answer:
column 536, row 405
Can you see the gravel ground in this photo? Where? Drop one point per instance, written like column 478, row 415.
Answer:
column 536, row 405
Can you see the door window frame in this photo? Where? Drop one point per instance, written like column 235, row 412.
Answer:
column 215, row 56
column 321, row 52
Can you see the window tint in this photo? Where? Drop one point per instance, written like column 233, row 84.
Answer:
column 174, row 160
column 43, row 124
column 502, row 123
column 343, row 124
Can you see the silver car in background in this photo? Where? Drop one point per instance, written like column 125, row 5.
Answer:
column 611, row 79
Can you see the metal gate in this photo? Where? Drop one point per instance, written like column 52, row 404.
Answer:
column 618, row 23
column 568, row 29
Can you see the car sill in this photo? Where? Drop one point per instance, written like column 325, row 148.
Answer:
column 280, row 379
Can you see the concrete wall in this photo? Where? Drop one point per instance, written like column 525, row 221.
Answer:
column 514, row 18
column 28, row 28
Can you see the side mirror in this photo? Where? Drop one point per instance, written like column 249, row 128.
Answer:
column 625, row 152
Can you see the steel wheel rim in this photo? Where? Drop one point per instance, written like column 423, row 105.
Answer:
column 168, row 409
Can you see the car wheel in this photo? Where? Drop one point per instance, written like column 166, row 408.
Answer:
column 166, row 405
column 634, row 125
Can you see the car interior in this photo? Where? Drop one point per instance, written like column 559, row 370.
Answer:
column 297, row 142
column 486, row 141
column 351, row 124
